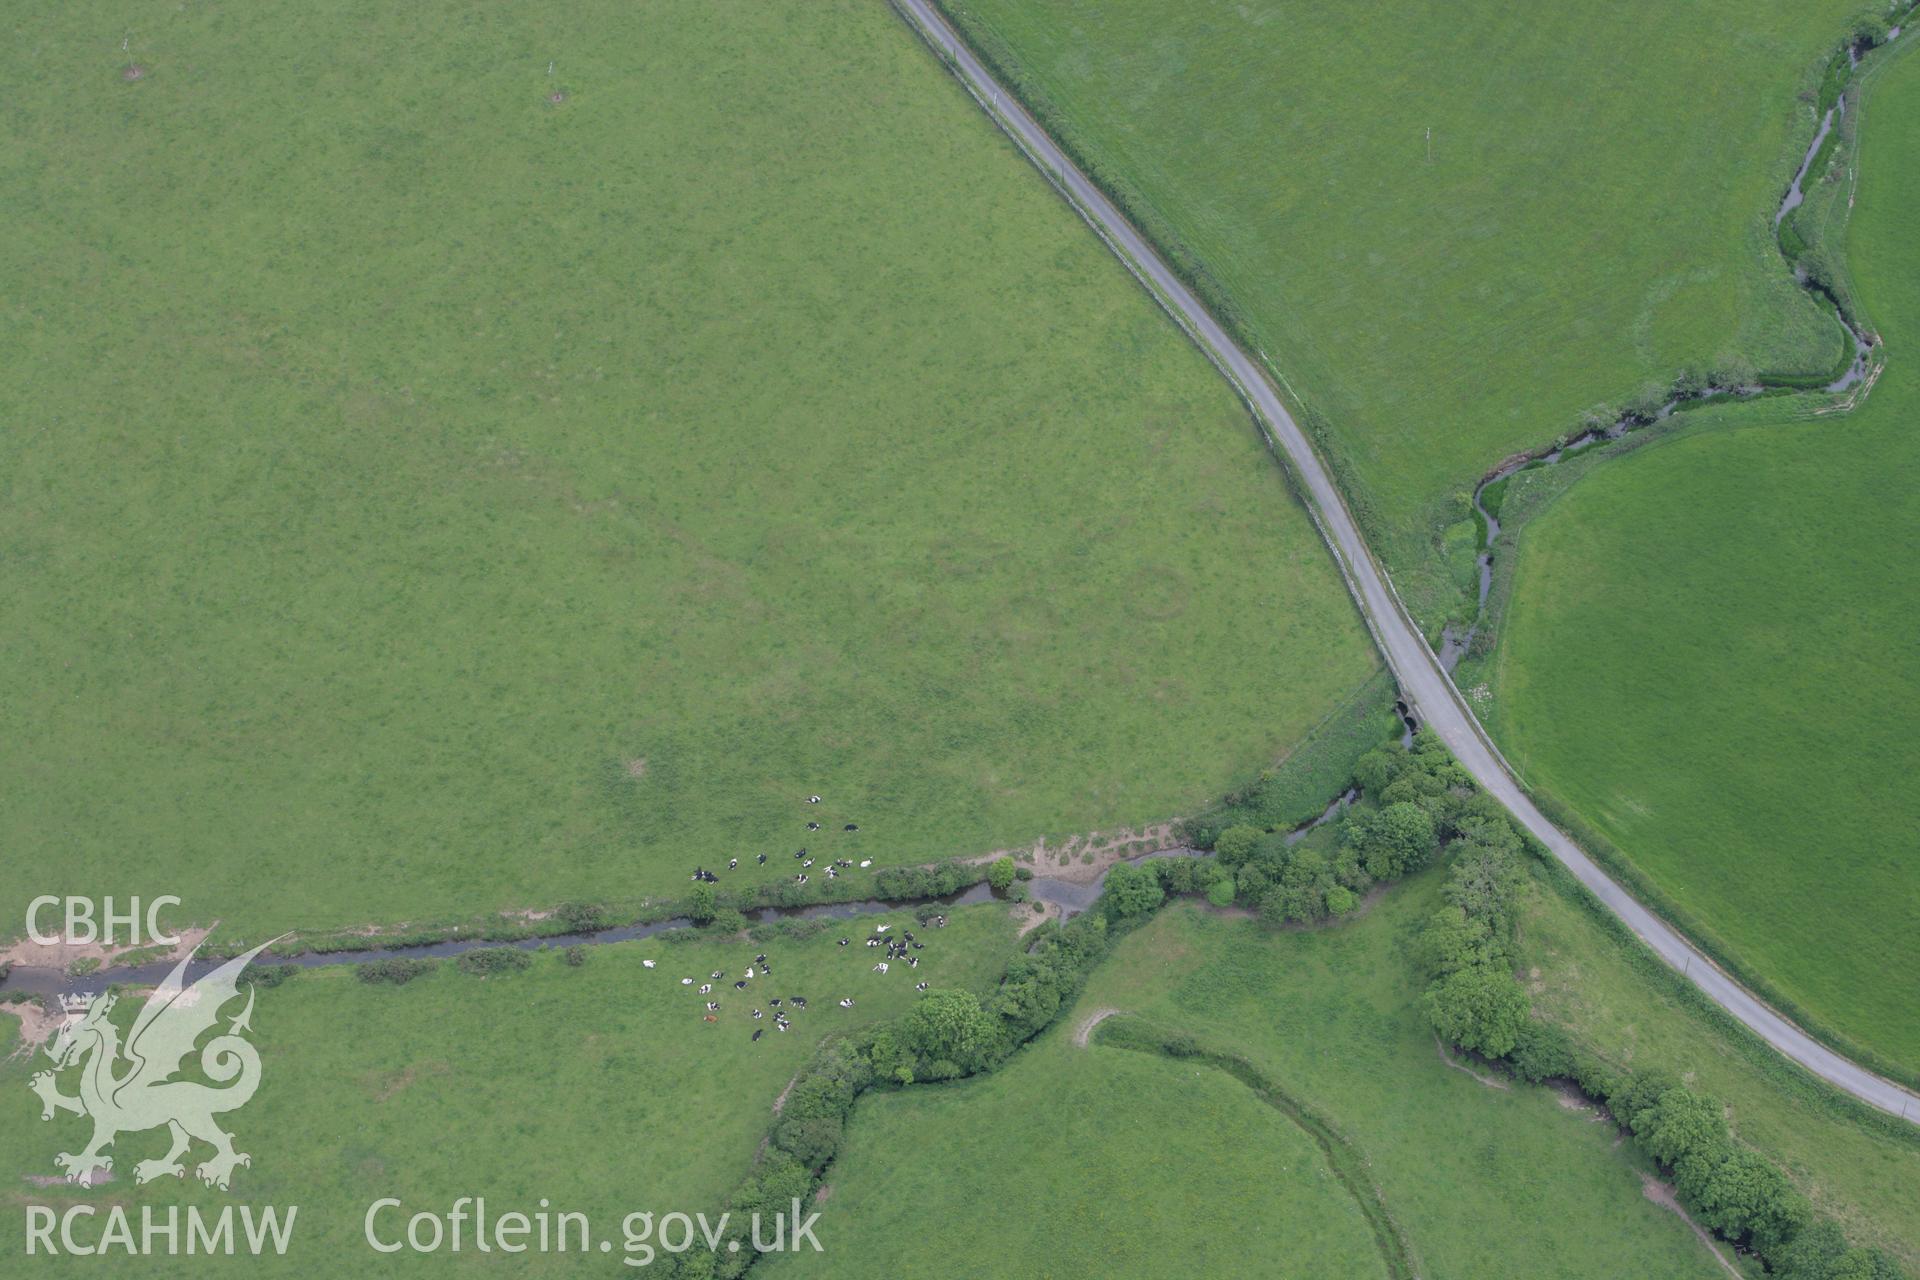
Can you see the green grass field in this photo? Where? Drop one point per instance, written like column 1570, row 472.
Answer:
column 1710, row 654
column 420, row 498
column 1482, row 1183
column 1080, row 1162
column 600, row 1088
column 1592, row 215
column 1615, row 996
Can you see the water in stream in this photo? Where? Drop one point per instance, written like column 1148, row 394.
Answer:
column 1072, row 897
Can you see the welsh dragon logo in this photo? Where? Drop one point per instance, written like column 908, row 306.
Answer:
column 131, row 1087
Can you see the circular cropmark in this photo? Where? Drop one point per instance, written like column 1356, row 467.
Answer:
column 557, row 97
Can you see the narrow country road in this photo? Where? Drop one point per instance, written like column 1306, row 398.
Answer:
column 1422, row 681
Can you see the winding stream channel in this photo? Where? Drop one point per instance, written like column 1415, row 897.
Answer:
column 1454, row 643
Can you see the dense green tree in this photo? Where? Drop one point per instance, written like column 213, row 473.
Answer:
column 1680, row 1123
column 1821, row 1252
column 1131, row 891
column 1377, row 769
column 813, row 1140
column 702, row 903
column 1638, row 1094
column 1000, row 874
column 1453, row 941
column 1233, row 845
column 1480, row 1008
column 1251, row 884
column 1486, row 883
column 1431, row 756
column 1413, row 786
column 1351, row 871
column 1750, row 1202
column 1391, row 841
column 892, row 1058
column 773, row 1186
column 1481, row 819
column 1301, row 894
column 1543, row 1051
column 949, row 1025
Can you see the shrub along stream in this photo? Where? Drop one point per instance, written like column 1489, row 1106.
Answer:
column 1422, row 807
column 1474, row 1000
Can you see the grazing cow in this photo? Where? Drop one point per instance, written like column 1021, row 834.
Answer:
column 717, row 974
column 800, row 879
column 881, row 967
column 733, row 864
column 749, row 972
column 740, row 985
column 846, row 1004
column 813, row 799
column 705, row 987
column 713, row 1006
column 920, row 986
column 881, row 928
column 761, row 958
column 686, row 982
column 758, row 1033
column 851, row 826
column 647, row 964
column 775, row 1002
column 866, row 862
column 759, row 1013
column 798, row 1002
column 813, row 826
column 843, row 942
column 763, row 859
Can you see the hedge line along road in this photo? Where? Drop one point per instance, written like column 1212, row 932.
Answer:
column 1422, row 681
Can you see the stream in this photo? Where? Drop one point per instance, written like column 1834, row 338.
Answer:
column 1071, row 896
column 1796, row 193
column 1454, row 642
column 39, row 980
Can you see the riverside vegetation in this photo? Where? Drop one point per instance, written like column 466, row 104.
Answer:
column 1473, row 1000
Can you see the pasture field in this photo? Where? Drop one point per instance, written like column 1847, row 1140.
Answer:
column 600, row 1088
column 457, row 462
column 1617, row 997
column 1710, row 653
column 1454, row 229
column 1074, row 1161
column 1482, row 1182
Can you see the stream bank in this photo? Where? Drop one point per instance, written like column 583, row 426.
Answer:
column 1854, row 370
